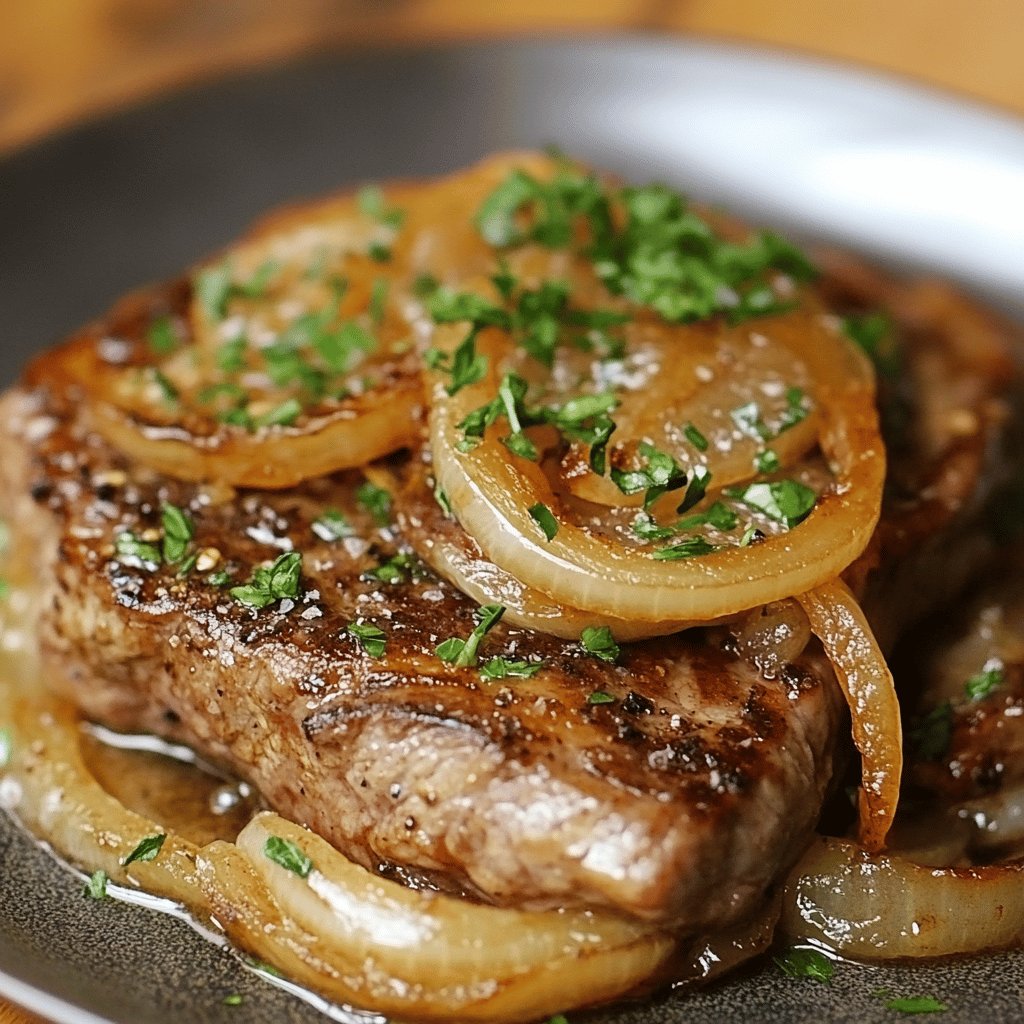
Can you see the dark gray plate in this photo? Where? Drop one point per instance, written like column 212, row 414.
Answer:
column 909, row 175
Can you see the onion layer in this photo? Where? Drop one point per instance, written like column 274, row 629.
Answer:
column 838, row 622
column 884, row 906
column 491, row 491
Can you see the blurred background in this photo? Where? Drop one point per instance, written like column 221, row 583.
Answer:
column 61, row 60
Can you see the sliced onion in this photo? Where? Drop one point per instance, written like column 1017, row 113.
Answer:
column 838, row 622
column 880, row 906
column 490, row 492
column 430, row 956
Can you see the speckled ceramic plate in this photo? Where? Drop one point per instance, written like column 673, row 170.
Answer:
column 908, row 175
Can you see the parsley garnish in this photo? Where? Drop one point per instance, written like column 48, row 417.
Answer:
column 271, row 583
column 213, row 289
column 600, row 697
column 235, row 999
column 718, row 515
column 661, row 474
column 376, row 501
column 168, row 392
column 332, row 525
column 5, row 588
column 371, row 202
column 931, row 734
column 689, row 548
column 441, row 497
column 283, row 415
column 147, row 849
column 806, row 963
column 695, row 437
column 917, row 1004
column 162, row 337
column 980, row 685
column 766, row 461
column 463, row 653
column 503, row 668
column 287, row 855
column 378, row 300
column 542, row 516
column 96, row 886
column 598, row 641
column 230, row 356
column 466, row 366
column 875, row 334
column 128, row 545
column 397, row 569
column 371, row 638
column 786, row 501
column 6, row 747
column 178, row 532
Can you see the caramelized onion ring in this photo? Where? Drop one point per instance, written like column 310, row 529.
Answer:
column 490, row 492
column 882, row 906
column 838, row 622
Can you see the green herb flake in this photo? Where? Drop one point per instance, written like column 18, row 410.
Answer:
column 147, row 849
column 178, row 532
column 917, row 1004
column 692, row 547
column 220, row 578
column 463, row 653
column 287, row 855
column 800, row 962
column 372, row 639
column 441, row 497
column 695, row 437
column 559, row 1018
column 766, row 461
column 598, row 641
column 283, row 415
column 379, row 252
column 660, row 475
column 875, row 334
column 371, row 202
column 376, row 501
column 235, row 999
column 543, row 517
column 213, row 289
column 600, row 697
column 230, row 356
column 96, row 886
column 425, row 285
column 786, row 501
column 396, row 569
column 379, row 300
column 128, row 545
column 168, row 392
column 6, row 747
column 268, row 584
column 162, row 337
column 5, row 588
column 504, row 668
column 931, row 734
column 983, row 683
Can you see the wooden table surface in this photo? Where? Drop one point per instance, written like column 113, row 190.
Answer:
column 61, row 60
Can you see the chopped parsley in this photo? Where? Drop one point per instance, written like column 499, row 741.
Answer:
column 689, row 548
column 96, row 886
column 598, row 641
column 268, row 584
column 230, row 356
column 801, row 962
column 441, row 497
column 465, row 366
column 235, row 999
column 981, row 685
column 162, row 337
column 332, row 526
column 168, row 392
column 371, row 202
column 371, row 638
column 282, row 415
column 543, row 517
column 718, row 515
column 695, row 437
column 463, row 653
column 147, row 849
column 376, row 501
column 5, row 588
column 766, row 461
column 875, row 334
column 129, row 546
column 213, row 289
column 559, row 1018
column 504, row 668
column 179, row 530
column 396, row 569
column 287, row 855
column 660, row 474
column 786, row 501
column 917, row 1004
column 600, row 697
column 6, row 747
column 931, row 734
column 378, row 301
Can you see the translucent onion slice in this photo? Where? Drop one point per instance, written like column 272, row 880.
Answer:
column 453, row 554
column 182, row 439
column 838, row 622
column 433, row 957
column 491, row 491
column 882, row 906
